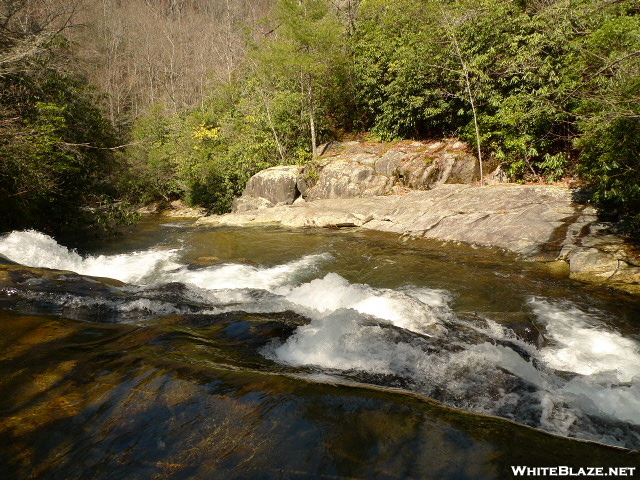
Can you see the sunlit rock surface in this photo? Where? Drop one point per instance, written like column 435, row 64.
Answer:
column 273, row 186
column 366, row 169
column 362, row 169
column 523, row 219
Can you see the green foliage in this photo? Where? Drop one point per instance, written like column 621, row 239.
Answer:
column 206, row 155
column 554, row 84
column 546, row 88
column 608, row 111
column 404, row 73
column 54, row 145
column 413, row 55
column 306, row 60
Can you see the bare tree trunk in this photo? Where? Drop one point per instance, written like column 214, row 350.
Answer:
column 271, row 125
column 467, row 81
column 475, row 122
column 312, row 126
column 312, row 123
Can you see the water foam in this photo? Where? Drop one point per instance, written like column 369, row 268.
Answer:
column 35, row 249
column 608, row 363
column 417, row 312
column 234, row 275
column 583, row 383
column 585, row 379
column 584, row 344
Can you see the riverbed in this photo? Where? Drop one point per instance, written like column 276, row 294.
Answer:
column 183, row 351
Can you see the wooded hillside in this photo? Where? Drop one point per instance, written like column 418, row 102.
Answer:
column 105, row 100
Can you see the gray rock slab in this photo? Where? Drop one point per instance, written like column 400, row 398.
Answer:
column 517, row 218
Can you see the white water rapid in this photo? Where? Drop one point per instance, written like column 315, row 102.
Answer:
column 582, row 380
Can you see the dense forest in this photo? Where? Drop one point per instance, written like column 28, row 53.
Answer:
column 105, row 104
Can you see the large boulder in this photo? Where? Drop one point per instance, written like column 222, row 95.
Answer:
column 273, row 186
column 344, row 178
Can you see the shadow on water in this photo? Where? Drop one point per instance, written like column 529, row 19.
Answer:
column 82, row 400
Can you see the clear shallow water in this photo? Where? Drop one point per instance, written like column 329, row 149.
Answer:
column 351, row 316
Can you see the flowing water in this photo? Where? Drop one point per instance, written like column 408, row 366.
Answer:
column 183, row 352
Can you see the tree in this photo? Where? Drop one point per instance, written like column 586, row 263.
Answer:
column 55, row 143
column 144, row 53
column 608, row 111
column 407, row 78
column 29, row 30
column 305, row 49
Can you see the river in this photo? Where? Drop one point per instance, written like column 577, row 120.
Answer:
column 178, row 351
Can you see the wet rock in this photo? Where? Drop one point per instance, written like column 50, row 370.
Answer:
column 593, row 262
column 207, row 260
column 597, row 255
column 611, row 265
column 5, row 261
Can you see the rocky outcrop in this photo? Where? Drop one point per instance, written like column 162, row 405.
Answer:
column 603, row 258
column 524, row 219
column 362, row 169
column 176, row 208
column 539, row 222
column 365, row 169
